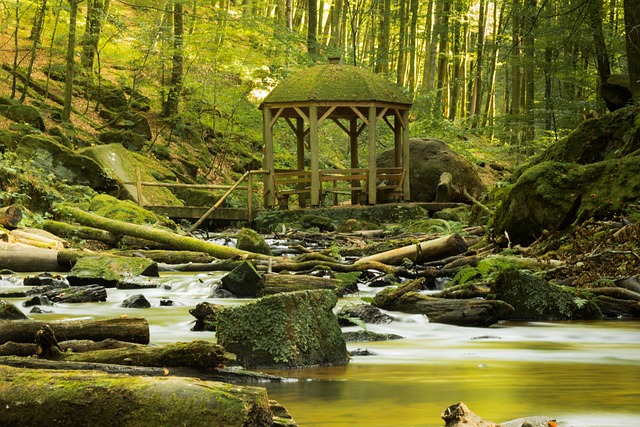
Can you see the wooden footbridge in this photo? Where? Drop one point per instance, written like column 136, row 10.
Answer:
column 286, row 184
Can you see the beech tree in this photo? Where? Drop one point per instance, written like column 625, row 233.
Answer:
column 632, row 32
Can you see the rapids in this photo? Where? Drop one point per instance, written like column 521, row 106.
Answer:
column 584, row 374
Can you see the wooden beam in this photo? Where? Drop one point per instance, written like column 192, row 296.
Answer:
column 267, row 161
column 359, row 114
column 274, row 119
column 315, row 161
column 406, row 157
column 303, row 115
column 326, row 114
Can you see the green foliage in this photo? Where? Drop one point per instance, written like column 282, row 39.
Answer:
column 486, row 269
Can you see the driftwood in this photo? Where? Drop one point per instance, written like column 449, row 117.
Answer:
column 167, row 238
column 10, row 217
column 77, row 346
column 428, row 250
column 134, row 330
column 100, row 399
column 458, row 415
column 24, row 258
column 277, row 283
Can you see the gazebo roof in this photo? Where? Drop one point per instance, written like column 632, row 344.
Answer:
column 336, row 83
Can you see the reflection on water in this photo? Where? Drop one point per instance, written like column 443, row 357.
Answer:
column 585, row 374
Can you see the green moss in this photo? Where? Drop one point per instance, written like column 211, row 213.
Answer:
column 125, row 211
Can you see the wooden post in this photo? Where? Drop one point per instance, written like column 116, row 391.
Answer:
column 397, row 139
column 302, row 198
column 353, row 149
column 267, row 162
column 139, row 186
column 406, row 156
column 371, row 181
column 315, row 163
column 250, row 197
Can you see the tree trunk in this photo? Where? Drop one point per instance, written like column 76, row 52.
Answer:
column 167, row 238
column 632, row 30
column 36, row 32
column 412, row 45
column 10, row 217
column 312, row 31
column 177, row 62
column 26, row 259
column 529, row 69
column 424, row 251
column 402, row 41
column 71, row 46
column 476, row 99
column 95, row 14
column 102, row 400
column 62, row 229
column 277, row 283
column 443, row 58
column 134, row 330
column 384, row 37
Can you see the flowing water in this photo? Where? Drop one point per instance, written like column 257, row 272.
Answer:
column 582, row 373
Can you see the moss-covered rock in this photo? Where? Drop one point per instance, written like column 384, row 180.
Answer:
column 73, row 398
column 244, row 281
column 108, row 271
column 121, row 165
column 551, row 195
column 429, row 159
column 23, row 114
column 9, row 311
column 461, row 214
column 250, row 240
column 285, row 330
column 533, row 298
column 68, row 166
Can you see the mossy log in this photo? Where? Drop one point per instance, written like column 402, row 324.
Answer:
column 72, row 398
column 70, row 231
column 277, row 283
column 77, row 346
column 441, row 247
column 134, row 330
column 10, row 217
column 167, row 238
column 27, row 259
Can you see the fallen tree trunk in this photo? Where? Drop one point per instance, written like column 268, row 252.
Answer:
column 277, row 283
column 458, row 415
column 10, row 217
column 68, row 231
column 23, row 258
column 134, row 330
column 99, row 399
column 441, row 247
column 169, row 239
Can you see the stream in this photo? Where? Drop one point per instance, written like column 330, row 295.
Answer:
column 582, row 373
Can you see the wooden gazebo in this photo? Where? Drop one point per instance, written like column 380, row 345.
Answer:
column 354, row 99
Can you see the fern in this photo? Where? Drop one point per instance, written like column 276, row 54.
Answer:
column 486, row 269
column 465, row 276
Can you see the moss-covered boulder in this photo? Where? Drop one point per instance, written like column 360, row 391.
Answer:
column 244, row 281
column 533, row 298
column 291, row 329
column 429, row 159
column 121, row 165
column 551, row 196
column 206, row 315
column 23, row 114
column 108, row 271
column 68, row 166
column 73, row 398
column 250, row 240
column 9, row 311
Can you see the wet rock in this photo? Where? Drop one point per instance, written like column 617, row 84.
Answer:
column 368, row 336
column 78, row 294
column 249, row 240
column 138, row 282
column 365, row 312
column 205, row 314
column 383, row 281
column 533, row 298
column 37, row 300
column 429, row 159
column 8, row 311
column 166, row 302
column 136, row 301
column 285, row 330
column 108, row 271
column 37, row 310
column 244, row 281
column 46, row 279
column 361, row 352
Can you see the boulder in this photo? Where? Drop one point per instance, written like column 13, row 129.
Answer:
column 109, row 270
column 23, row 114
column 429, row 159
column 533, row 298
column 206, row 315
column 365, row 312
column 251, row 241
column 9, row 311
column 136, row 301
column 129, row 140
column 616, row 91
column 291, row 329
column 244, row 281
column 67, row 165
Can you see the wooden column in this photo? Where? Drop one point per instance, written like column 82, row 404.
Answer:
column 371, row 184
column 315, row 163
column 406, row 156
column 267, row 161
column 353, row 151
column 397, row 139
column 302, row 198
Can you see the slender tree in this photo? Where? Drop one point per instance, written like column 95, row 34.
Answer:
column 632, row 30
column 71, row 47
column 177, row 62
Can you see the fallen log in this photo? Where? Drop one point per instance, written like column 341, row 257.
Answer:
column 99, row 399
column 167, row 238
column 37, row 238
column 615, row 292
column 460, row 312
column 77, row 346
column 134, row 330
column 424, row 251
column 69, row 231
column 23, row 258
column 10, row 217
column 612, row 308
column 277, row 283
column 458, row 415
column 77, row 294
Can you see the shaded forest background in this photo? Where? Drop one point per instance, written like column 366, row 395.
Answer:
column 517, row 73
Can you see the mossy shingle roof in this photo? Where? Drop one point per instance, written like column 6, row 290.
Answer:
column 336, row 83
